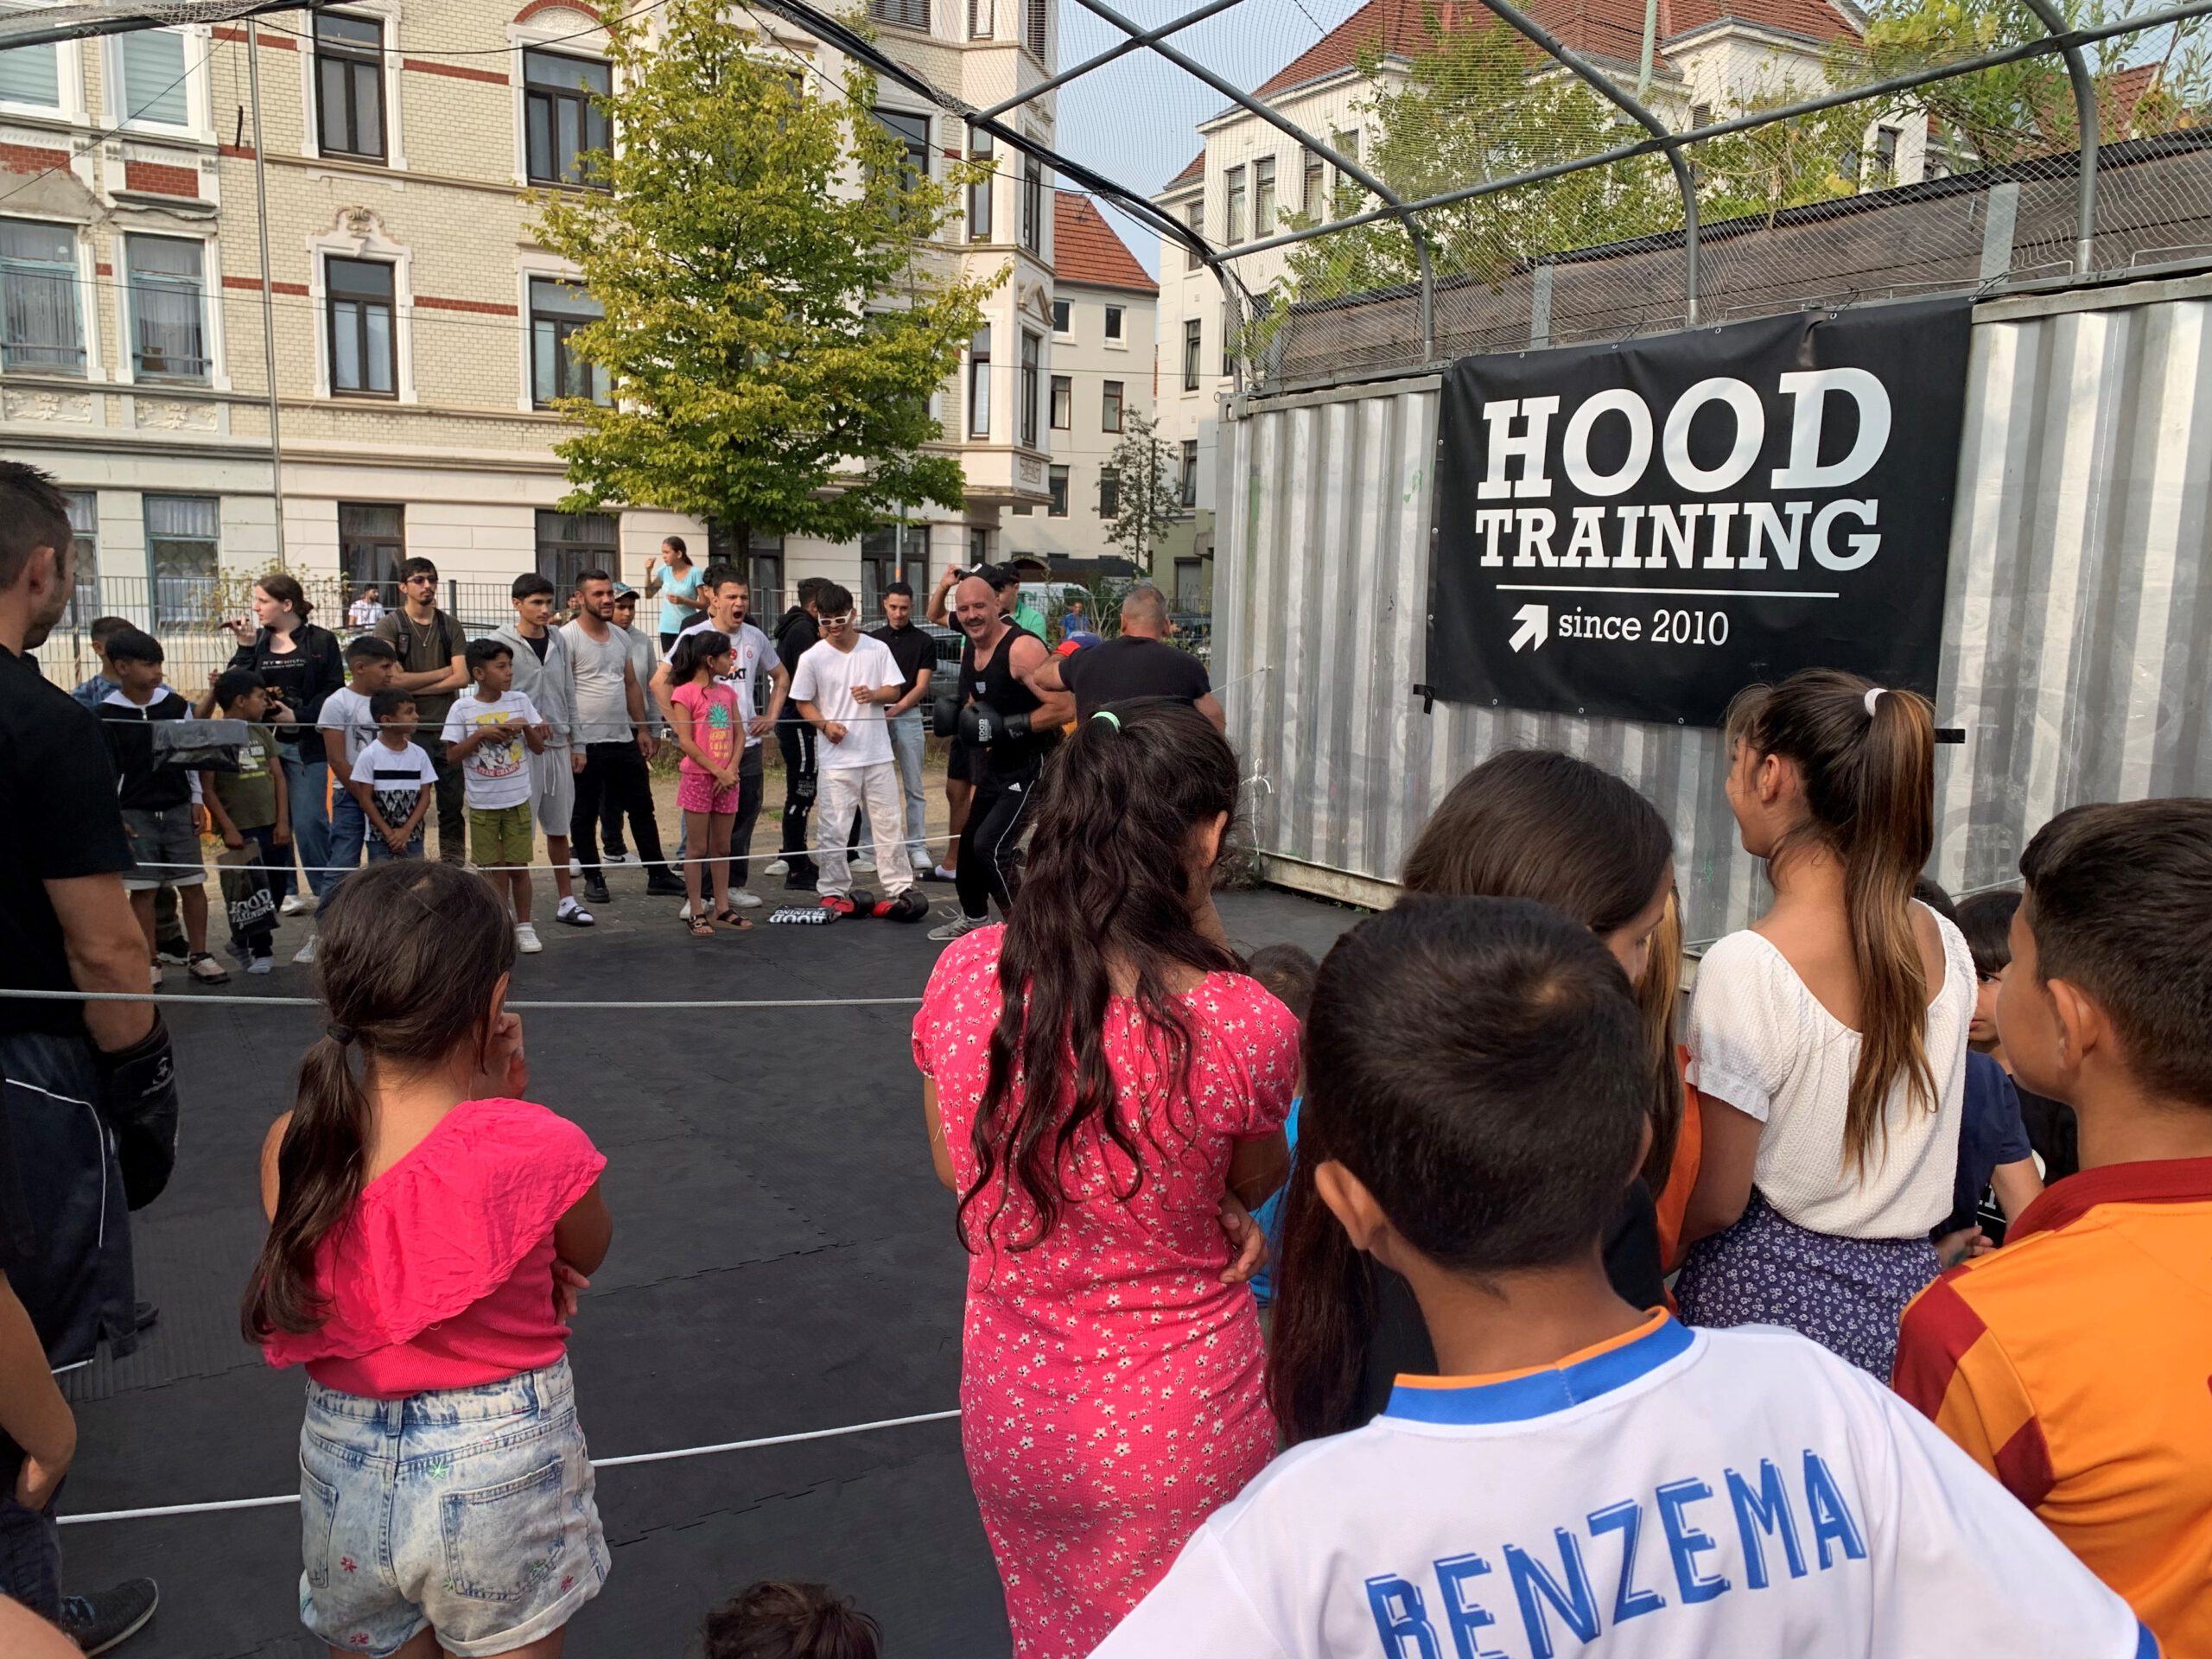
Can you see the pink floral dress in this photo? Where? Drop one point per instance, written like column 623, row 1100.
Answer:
column 1111, row 1385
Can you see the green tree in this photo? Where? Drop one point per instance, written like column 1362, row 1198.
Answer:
column 776, row 321
column 1148, row 501
column 1758, row 173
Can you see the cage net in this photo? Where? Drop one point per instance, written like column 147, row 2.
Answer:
column 90, row 17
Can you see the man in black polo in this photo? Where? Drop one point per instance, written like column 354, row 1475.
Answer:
column 1140, row 664
column 88, row 1088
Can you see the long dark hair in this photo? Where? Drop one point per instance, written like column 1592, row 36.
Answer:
column 1869, row 771
column 284, row 588
column 1526, row 824
column 408, row 954
column 1108, row 873
column 693, row 651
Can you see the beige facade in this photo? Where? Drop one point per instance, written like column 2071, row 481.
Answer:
column 416, row 320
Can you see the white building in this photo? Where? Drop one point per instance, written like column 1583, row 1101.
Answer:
column 1102, row 373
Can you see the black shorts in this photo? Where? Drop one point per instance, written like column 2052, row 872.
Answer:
column 956, row 760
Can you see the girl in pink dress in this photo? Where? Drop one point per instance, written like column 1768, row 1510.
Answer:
column 709, row 733
column 427, row 1233
column 1102, row 1088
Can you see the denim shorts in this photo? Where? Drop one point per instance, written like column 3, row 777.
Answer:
column 166, row 847
column 468, row 1510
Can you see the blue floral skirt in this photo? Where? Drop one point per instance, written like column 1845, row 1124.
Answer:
column 1845, row 1294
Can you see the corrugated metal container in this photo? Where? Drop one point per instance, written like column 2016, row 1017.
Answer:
column 2077, row 621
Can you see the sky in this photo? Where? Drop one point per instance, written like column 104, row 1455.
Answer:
column 1136, row 119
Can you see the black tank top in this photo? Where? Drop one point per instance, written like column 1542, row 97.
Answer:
column 1012, row 760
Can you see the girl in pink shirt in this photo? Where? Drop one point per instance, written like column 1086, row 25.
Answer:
column 427, row 1232
column 711, row 735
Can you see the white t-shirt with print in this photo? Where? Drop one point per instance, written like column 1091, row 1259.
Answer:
column 1678, row 1494
column 496, row 772
column 347, row 711
column 826, row 678
column 750, row 655
column 394, row 778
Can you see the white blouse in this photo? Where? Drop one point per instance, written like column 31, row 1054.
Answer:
column 1762, row 1042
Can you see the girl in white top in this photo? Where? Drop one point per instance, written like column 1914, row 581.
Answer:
column 1828, row 1042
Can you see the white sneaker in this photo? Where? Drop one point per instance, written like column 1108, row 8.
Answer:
column 956, row 927
column 576, row 867
column 155, row 969
column 526, row 939
column 305, row 955
column 262, row 965
column 683, row 913
column 780, row 867
column 864, row 863
column 741, row 898
column 293, row 905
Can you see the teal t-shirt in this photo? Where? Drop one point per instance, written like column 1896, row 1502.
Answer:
column 675, row 618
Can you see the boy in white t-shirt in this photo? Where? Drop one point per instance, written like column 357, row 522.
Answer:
column 346, row 727
column 1585, row 1477
column 489, row 734
column 393, row 780
column 844, row 684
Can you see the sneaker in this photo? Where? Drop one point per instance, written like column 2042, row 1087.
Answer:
column 839, row 904
column 744, row 898
column 144, row 1316
column 940, row 873
column 923, row 869
column 526, row 939
column 97, row 1623
column 262, row 965
column 595, row 891
column 619, row 855
column 305, row 955
column 864, row 862
column 237, row 953
column 173, row 952
column 572, row 913
column 205, row 969
column 154, row 972
column 956, row 927
column 576, row 867
column 780, row 867
column 660, row 884
column 293, row 905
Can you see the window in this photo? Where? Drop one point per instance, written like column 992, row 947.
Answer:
column 169, row 338
column 32, row 74
column 980, row 20
column 764, row 565
column 85, row 538
column 979, row 193
column 1309, row 201
column 1263, row 196
column 349, row 86
column 1063, row 316
column 1113, row 324
column 1235, row 229
column 563, row 125
column 1109, row 414
column 1228, row 340
column 979, row 384
column 153, row 78
column 1191, row 594
column 1109, row 491
column 557, row 309
column 182, row 544
column 1063, row 402
column 1186, row 481
column 1033, row 350
column 1197, row 220
column 912, row 131
column 1346, row 144
column 371, row 541
column 44, row 327
column 907, row 14
column 363, row 352
column 891, row 553
column 1189, row 355
column 1885, row 156
column 569, row 544
column 1700, row 115
column 1035, row 15
column 1057, row 482
column 1033, row 204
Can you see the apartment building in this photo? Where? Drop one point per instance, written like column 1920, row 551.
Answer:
column 1248, row 178
column 418, row 330
column 1102, row 325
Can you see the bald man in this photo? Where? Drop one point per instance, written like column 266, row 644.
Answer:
column 1140, row 664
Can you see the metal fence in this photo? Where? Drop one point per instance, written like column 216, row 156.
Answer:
column 2077, row 620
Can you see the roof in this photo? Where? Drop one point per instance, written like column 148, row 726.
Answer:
column 1085, row 248
column 1600, row 28
column 1197, row 169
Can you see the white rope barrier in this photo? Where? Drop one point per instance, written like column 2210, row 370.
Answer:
column 203, row 999
column 281, row 1499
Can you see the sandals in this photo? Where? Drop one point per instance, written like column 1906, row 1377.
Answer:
column 699, row 928
column 731, row 919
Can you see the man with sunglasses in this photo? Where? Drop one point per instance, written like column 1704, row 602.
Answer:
column 430, row 645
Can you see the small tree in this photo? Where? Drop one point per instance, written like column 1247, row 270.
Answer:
column 774, row 328
column 1148, row 501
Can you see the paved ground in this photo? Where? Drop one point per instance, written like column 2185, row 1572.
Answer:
column 783, row 1261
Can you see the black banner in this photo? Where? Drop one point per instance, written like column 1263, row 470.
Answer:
column 1642, row 529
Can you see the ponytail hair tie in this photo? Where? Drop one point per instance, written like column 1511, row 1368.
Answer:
column 341, row 1035
column 1110, row 717
column 1873, row 697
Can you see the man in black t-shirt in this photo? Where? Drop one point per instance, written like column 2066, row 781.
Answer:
column 1140, row 664
column 87, row 1088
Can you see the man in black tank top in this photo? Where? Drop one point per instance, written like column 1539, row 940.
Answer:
column 1010, row 725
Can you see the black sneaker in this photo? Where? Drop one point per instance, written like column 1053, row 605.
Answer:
column 660, row 884
column 97, row 1623
column 802, row 878
column 144, row 1316
column 595, row 891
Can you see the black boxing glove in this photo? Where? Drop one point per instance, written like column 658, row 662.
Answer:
column 945, row 714
column 982, row 725
column 137, row 1097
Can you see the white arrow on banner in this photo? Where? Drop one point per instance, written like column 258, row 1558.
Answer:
column 1535, row 627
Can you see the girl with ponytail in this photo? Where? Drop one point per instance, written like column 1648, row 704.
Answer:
column 427, row 1232
column 1099, row 1079
column 1828, row 1042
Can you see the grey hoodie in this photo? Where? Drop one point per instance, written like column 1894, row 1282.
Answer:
column 549, row 685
